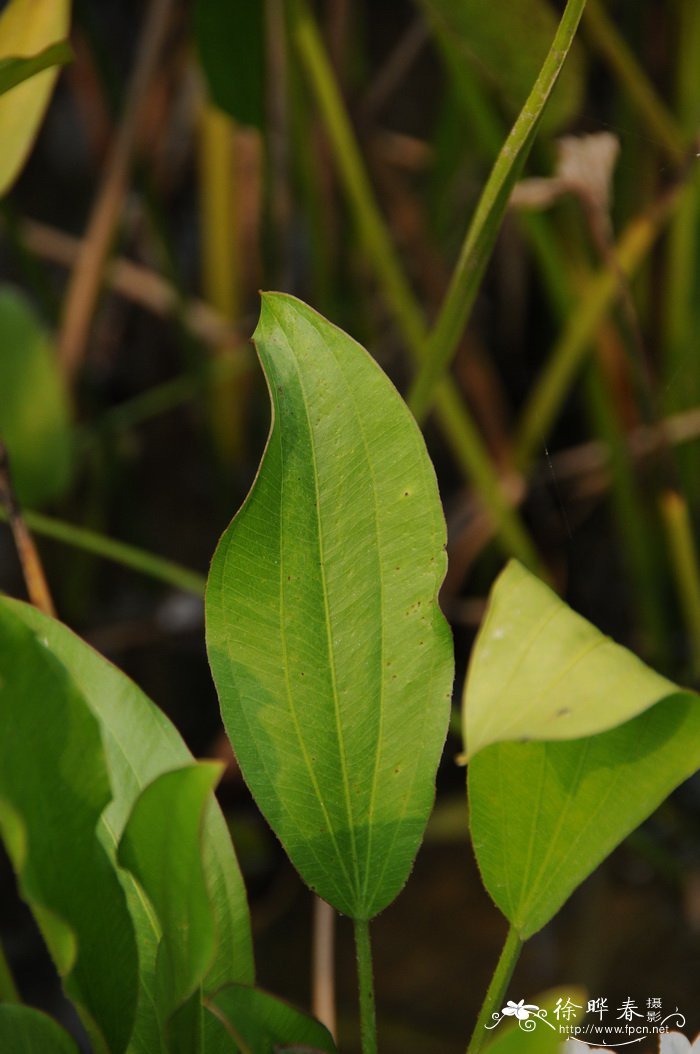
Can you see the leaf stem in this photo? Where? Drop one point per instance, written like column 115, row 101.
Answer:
column 497, row 989
column 118, row 552
column 684, row 559
column 365, row 978
column 323, row 965
column 483, row 229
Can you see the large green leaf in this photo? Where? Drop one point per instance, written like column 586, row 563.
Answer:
column 141, row 744
column 544, row 815
column 27, row 27
column 231, row 45
column 24, row 1030
column 263, row 1024
column 53, row 788
column 162, row 847
column 331, row 657
column 506, row 44
column 34, row 408
column 540, row 671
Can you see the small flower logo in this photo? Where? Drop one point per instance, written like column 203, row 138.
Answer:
column 521, row 1010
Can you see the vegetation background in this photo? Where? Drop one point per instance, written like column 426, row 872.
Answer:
column 193, row 154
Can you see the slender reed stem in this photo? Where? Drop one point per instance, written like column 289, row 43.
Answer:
column 483, row 229
column 368, row 1020
column 323, row 965
column 686, row 572
column 32, row 568
column 552, row 387
column 118, row 552
column 8, row 988
column 86, row 279
column 497, row 989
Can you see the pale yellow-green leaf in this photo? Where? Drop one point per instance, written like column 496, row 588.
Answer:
column 26, row 28
column 540, row 671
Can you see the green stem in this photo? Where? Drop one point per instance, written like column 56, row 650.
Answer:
column 497, row 989
column 566, row 358
column 486, row 222
column 118, row 552
column 8, row 988
column 686, row 572
column 634, row 81
column 465, row 441
column 365, row 979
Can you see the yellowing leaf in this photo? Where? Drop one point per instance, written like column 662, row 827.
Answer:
column 540, row 671
column 26, row 28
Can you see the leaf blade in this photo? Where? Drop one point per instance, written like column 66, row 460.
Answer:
column 344, row 625
column 543, row 815
column 141, row 744
column 27, row 27
column 17, row 69
column 540, row 671
column 51, row 799
column 161, row 847
column 24, row 1030
column 262, row 1023
column 40, row 444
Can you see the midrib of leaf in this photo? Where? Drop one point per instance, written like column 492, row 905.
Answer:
column 533, row 827
column 297, row 729
column 563, row 816
column 375, row 518
column 329, row 635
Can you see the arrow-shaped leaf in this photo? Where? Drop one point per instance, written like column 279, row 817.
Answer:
column 540, row 671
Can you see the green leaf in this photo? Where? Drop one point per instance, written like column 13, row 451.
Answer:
column 262, row 1024
column 14, row 71
column 506, row 45
column 231, row 45
column 27, row 28
column 141, row 744
column 544, row 815
column 53, row 788
column 161, row 846
column 24, row 1030
column 34, row 408
column 540, row 671
column 332, row 660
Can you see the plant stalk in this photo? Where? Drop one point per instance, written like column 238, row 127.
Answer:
column 552, row 387
column 323, row 965
column 686, row 571
column 497, row 989
column 118, row 552
column 483, row 229
column 365, row 978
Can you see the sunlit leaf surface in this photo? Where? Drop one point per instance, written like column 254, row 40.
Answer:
column 332, row 660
